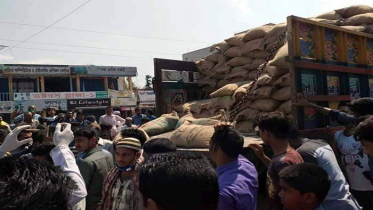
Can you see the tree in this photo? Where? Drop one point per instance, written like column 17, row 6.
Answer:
column 134, row 87
column 148, row 80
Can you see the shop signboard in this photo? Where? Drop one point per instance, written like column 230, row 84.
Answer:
column 6, row 106
column 40, row 104
column 112, row 71
column 34, row 70
column 59, row 95
column 74, row 103
column 309, row 85
column 78, row 70
column 354, row 88
column 333, row 85
column 118, row 102
column 146, row 96
column 120, row 93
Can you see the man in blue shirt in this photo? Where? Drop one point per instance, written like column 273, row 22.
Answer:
column 21, row 117
column 80, row 119
column 238, row 183
column 137, row 118
column 150, row 114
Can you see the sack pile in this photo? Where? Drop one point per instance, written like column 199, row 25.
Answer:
column 228, row 72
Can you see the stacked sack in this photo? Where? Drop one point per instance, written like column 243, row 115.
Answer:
column 229, row 71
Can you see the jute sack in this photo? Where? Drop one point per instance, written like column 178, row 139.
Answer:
column 222, row 103
column 221, row 69
column 237, row 69
column 283, row 81
column 201, row 121
column 256, row 33
column 247, row 114
column 354, row 10
column 192, row 136
column 198, row 106
column 269, row 46
column 234, row 51
column 236, row 40
column 330, row 16
column 283, row 94
column 223, row 83
column 163, row 124
column 217, row 57
column 274, row 71
column 279, row 60
column 221, row 47
column 227, row 90
column 262, row 92
column 244, row 126
column 256, row 44
column 240, row 75
column 239, row 61
column 264, row 79
column 237, row 95
column 253, row 74
column 204, row 64
column 359, row 20
column 251, row 66
column 331, row 22
column 208, row 89
column 268, row 105
column 285, row 107
column 206, row 81
column 205, row 113
column 257, row 54
column 218, row 76
column 274, row 33
column 368, row 29
column 355, row 28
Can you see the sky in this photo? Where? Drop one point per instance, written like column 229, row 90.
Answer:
column 133, row 32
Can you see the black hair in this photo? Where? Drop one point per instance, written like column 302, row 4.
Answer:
column 134, row 133
column 33, row 185
column 159, row 145
column 276, row 123
column 44, row 150
column 39, row 137
column 150, row 111
column 75, row 126
column 42, row 120
column 88, row 132
column 109, row 107
column 362, row 106
column 91, row 118
column 229, row 141
column 179, row 180
column 137, row 109
column 364, row 130
column 307, row 178
column 79, row 113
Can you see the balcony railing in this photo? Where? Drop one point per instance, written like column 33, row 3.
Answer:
column 4, row 97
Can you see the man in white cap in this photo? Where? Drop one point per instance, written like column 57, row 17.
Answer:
column 119, row 190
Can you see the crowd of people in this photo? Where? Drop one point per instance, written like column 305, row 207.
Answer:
column 111, row 164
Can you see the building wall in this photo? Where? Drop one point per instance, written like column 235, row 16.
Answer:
column 197, row 54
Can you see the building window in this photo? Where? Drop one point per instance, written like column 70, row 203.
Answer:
column 24, row 85
column 57, row 84
column 92, row 84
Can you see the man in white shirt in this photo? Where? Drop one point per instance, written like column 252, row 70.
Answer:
column 113, row 120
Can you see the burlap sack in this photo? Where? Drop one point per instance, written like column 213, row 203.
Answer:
column 262, row 92
column 234, row 51
column 256, row 33
column 274, row 33
column 331, row 22
column 355, row 28
column 163, row 124
column 204, row 64
column 270, row 45
column 267, row 105
column 274, row 71
column 369, row 29
column 251, row 67
column 282, row 94
column 221, row 47
column 285, row 107
column 217, row 57
column 264, row 79
column 218, row 76
column 222, row 103
column 256, row 44
column 283, row 81
column 247, row 114
column 201, row 121
column 359, row 20
column 223, row 83
column 244, row 126
column 330, row 16
column 205, row 113
column 237, row 69
column 279, row 60
column 354, row 10
column 236, row 40
column 253, row 74
column 240, row 75
column 208, row 89
column 198, row 106
column 257, row 54
column 239, row 61
column 237, row 95
column 227, row 90
column 192, row 136
column 207, row 81
column 221, row 69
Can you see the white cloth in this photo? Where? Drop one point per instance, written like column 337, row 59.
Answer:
column 354, row 161
column 65, row 160
column 124, row 127
column 106, row 145
column 114, row 121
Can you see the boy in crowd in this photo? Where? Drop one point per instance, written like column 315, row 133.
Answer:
column 273, row 130
column 119, row 190
column 303, row 186
column 160, row 145
column 238, row 178
column 178, row 180
column 364, row 134
column 94, row 164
